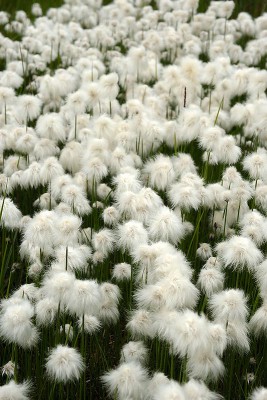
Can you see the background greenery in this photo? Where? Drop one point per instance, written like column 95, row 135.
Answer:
column 14, row 5
column 254, row 7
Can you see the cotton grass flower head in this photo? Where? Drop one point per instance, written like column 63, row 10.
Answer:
column 210, row 280
column 46, row 311
column 131, row 234
column 16, row 325
column 204, row 251
column 237, row 335
column 51, row 126
column 192, row 334
column 104, row 241
column 159, row 172
column 64, row 364
column 83, row 297
column 218, row 338
column 58, row 183
column 28, row 108
column 74, row 258
column 179, row 292
column 70, row 157
column 10, row 214
column 127, row 381
column 258, row 321
column 8, row 369
column 169, row 391
column 229, row 305
column 239, row 252
column 56, row 284
column 141, row 324
column 121, row 272
column 165, row 225
column 185, row 195
column 89, row 323
column 197, row 390
column 50, row 168
column 68, row 331
column 256, row 164
column 259, row 394
column 227, row 151
column 15, row 391
column 67, row 226
column 27, row 291
column 134, row 351
column 168, row 263
column 40, row 231
column 205, row 365
column 110, row 216
column 74, row 196
column 108, row 311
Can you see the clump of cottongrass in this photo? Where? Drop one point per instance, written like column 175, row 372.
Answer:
column 64, row 364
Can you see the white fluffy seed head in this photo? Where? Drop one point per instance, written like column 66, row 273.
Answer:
column 131, row 234
column 259, row 394
column 134, row 351
column 89, row 323
column 229, row 305
column 127, row 381
column 83, row 297
column 15, row 391
column 210, row 280
column 16, row 325
column 64, row 364
column 121, row 271
column 238, row 252
column 165, row 225
column 169, row 391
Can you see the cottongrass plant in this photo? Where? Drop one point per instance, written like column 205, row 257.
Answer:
column 133, row 202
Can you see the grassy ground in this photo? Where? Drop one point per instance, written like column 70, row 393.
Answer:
column 254, row 7
column 14, row 5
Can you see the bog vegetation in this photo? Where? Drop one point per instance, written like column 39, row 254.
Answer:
column 133, row 201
